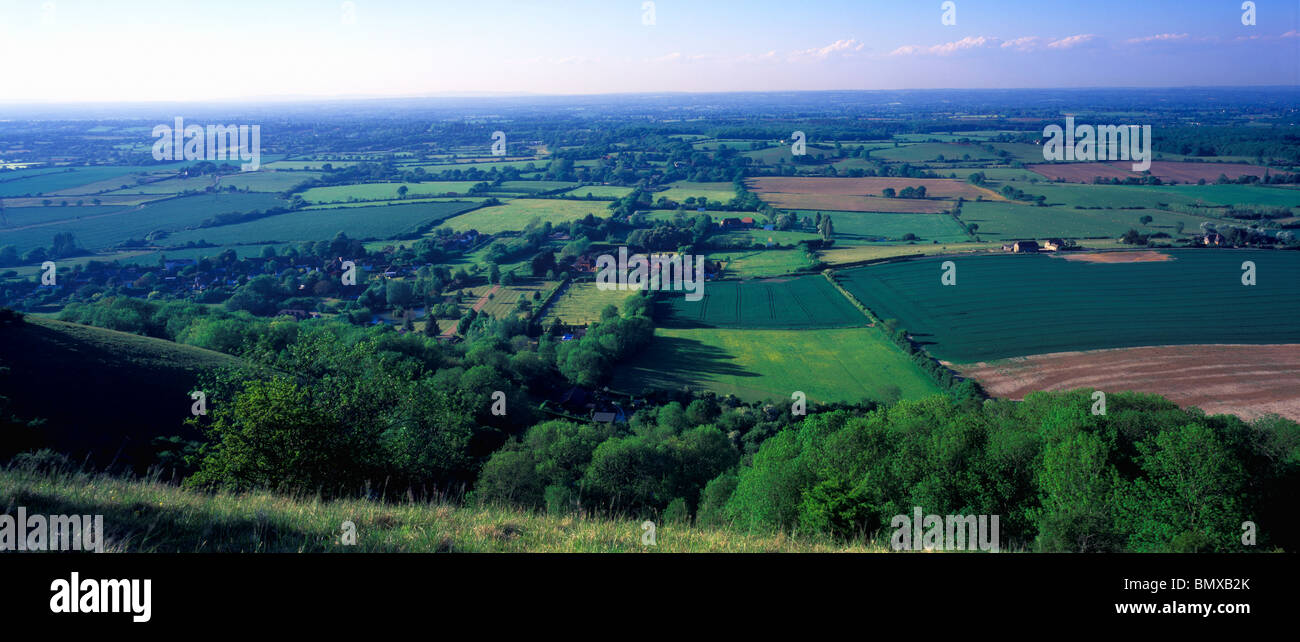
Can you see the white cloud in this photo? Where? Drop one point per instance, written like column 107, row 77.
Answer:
column 839, row 47
column 1027, row 43
column 948, row 48
column 1072, row 41
column 1160, row 37
column 1291, row 34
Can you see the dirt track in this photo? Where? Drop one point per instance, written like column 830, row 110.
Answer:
column 1245, row 380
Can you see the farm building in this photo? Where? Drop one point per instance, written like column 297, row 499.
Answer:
column 736, row 223
column 1025, row 246
column 1213, row 238
column 1053, row 245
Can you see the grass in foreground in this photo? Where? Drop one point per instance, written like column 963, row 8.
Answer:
column 155, row 517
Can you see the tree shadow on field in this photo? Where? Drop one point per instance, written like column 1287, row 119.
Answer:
column 923, row 339
column 669, row 361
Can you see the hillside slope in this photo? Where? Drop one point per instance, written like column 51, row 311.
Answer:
column 145, row 516
column 103, row 393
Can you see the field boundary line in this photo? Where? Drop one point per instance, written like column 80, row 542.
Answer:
column 862, row 307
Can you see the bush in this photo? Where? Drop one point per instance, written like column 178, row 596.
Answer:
column 677, row 512
column 42, row 461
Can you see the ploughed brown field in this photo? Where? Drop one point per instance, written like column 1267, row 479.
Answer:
column 870, row 186
column 849, row 203
column 1139, row 256
column 1243, row 380
column 863, row 194
column 1167, row 171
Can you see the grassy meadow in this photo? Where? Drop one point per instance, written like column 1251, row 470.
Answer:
column 149, row 516
column 828, row 365
column 516, row 214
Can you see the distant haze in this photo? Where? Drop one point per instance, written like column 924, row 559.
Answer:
column 162, row 50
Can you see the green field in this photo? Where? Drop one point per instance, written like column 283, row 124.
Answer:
column 827, row 365
column 760, row 263
column 43, row 182
column 267, row 181
column 307, row 165
column 1007, row 306
column 537, row 165
column 137, row 222
column 23, row 216
column 1161, row 196
column 931, row 151
column 1007, row 221
column 581, row 303
column 532, row 187
column 877, row 251
column 800, row 302
column 1023, row 152
column 383, row 191
column 779, row 154
column 599, row 191
column 763, row 237
column 853, row 228
column 384, row 221
column 516, row 214
column 402, row 201
column 682, row 190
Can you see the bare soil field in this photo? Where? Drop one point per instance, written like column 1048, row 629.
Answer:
column 852, row 203
column 1142, row 256
column 871, row 186
column 1191, row 172
column 1080, row 172
column 1243, row 380
column 1167, row 171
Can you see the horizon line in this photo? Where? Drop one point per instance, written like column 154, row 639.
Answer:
column 301, row 98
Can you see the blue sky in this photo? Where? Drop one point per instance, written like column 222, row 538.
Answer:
column 145, row 50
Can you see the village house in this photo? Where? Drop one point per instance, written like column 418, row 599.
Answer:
column 1053, row 245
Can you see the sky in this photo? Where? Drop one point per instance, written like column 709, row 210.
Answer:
column 210, row 50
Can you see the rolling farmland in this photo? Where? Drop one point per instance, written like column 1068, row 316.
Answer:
column 382, row 221
column 107, row 230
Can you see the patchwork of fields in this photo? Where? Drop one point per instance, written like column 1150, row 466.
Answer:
column 800, row 302
column 382, row 221
column 109, row 229
column 1006, row 306
column 1009, row 221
